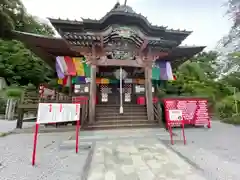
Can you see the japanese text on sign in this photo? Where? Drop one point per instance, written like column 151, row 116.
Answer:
column 55, row 112
column 175, row 115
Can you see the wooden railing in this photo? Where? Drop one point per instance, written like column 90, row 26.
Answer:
column 158, row 114
column 30, row 100
column 84, row 113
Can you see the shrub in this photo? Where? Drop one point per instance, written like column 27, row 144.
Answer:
column 235, row 119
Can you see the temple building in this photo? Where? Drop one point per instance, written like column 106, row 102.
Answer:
column 116, row 62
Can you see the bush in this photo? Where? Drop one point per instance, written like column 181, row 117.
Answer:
column 235, row 119
column 14, row 93
column 226, row 107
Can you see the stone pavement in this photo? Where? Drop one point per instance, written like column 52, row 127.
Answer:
column 139, row 159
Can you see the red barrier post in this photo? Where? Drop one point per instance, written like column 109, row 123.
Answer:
column 171, row 133
column 183, row 133
column 35, row 144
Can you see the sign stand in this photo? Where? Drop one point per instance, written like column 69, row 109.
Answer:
column 35, row 144
column 48, row 111
column 171, row 133
column 77, row 133
column 175, row 118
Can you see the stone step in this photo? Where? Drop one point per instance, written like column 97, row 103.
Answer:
column 122, row 122
column 121, row 118
column 121, row 126
column 140, row 113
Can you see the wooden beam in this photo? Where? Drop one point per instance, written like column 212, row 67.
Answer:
column 104, row 61
column 144, row 45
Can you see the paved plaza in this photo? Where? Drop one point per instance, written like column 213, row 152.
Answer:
column 124, row 154
column 138, row 159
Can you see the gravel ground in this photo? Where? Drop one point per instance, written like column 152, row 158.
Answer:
column 52, row 161
column 6, row 126
column 216, row 152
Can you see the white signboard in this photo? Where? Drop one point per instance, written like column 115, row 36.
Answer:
column 56, row 112
column 175, row 115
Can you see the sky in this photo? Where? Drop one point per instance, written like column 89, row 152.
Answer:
column 206, row 18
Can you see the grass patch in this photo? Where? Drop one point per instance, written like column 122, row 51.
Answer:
column 5, row 134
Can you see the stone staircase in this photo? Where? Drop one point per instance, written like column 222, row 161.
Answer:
column 134, row 116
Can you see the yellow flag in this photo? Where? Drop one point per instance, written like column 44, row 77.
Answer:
column 79, row 66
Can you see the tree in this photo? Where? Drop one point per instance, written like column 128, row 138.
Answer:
column 199, row 77
column 18, row 64
column 13, row 16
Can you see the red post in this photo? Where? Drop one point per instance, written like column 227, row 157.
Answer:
column 35, row 144
column 209, row 123
column 77, row 133
column 171, row 133
column 183, row 133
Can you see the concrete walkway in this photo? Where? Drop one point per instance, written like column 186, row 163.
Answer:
column 139, row 159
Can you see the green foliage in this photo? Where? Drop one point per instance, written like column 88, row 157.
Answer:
column 13, row 16
column 235, row 119
column 199, row 77
column 15, row 93
column 18, row 65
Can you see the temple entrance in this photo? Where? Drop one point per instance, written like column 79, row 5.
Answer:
column 110, row 94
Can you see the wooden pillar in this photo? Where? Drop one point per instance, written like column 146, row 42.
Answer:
column 70, row 87
column 92, row 95
column 148, row 93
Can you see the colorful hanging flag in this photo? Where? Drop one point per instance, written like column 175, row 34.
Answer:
column 169, row 71
column 113, row 81
column 67, row 81
column 163, row 70
column 78, row 66
column 62, row 64
column 156, row 73
column 104, row 81
column 71, row 70
column 60, row 81
column 74, row 79
column 86, row 67
column 59, row 71
column 98, row 80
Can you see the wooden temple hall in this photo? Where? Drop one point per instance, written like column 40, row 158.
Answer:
column 116, row 62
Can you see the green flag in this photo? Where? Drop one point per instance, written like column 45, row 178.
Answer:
column 156, row 73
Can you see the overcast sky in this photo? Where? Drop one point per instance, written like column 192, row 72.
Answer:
column 206, row 18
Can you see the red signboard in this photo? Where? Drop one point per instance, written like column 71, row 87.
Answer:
column 194, row 110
